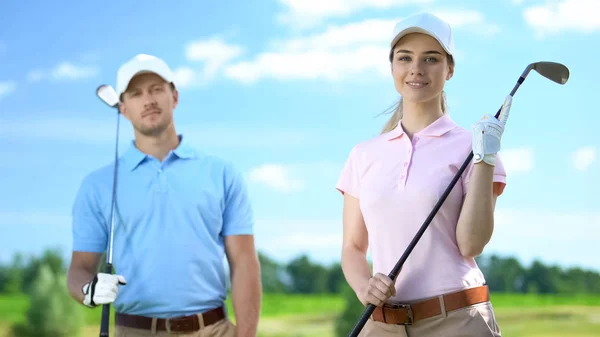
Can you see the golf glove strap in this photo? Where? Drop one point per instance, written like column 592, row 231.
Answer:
column 102, row 289
column 487, row 134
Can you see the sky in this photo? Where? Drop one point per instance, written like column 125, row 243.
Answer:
column 285, row 89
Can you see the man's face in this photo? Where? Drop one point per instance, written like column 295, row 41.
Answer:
column 148, row 103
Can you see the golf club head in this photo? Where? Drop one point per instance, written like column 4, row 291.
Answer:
column 108, row 95
column 553, row 71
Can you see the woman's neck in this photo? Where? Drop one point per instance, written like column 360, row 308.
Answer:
column 417, row 116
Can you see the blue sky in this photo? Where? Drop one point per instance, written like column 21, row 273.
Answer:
column 285, row 88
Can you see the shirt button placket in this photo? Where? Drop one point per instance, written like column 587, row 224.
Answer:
column 162, row 179
column 405, row 165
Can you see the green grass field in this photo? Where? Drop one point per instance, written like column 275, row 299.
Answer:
column 517, row 315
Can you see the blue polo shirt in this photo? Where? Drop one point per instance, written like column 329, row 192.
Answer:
column 170, row 222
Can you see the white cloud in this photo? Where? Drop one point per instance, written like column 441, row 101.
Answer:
column 184, row 77
column 562, row 237
column 517, row 160
column 565, row 15
column 307, row 13
column 63, row 71
column 7, row 88
column 285, row 239
column 469, row 19
column 277, row 177
column 339, row 52
column 584, row 157
column 316, row 64
column 314, row 240
column 213, row 53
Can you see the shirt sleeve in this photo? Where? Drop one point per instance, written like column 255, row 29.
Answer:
column 238, row 214
column 89, row 228
column 349, row 180
column 499, row 179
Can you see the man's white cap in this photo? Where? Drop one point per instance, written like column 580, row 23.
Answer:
column 425, row 23
column 139, row 64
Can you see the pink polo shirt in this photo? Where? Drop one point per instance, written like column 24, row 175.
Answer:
column 398, row 182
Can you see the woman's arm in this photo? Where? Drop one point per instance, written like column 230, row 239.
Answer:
column 377, row 289
column 476, row 221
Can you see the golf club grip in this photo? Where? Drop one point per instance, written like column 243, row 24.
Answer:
column 105, row 309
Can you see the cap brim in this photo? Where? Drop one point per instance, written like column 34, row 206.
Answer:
column 142, row 72
column 410, row 30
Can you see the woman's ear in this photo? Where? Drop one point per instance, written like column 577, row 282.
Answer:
column 450, row 72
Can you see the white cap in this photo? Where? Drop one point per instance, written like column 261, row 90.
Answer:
column 425, row 23
column 139, row 64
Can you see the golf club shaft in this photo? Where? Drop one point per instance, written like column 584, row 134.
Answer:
column 104, row 325
column 105, row 309
column 394, row 273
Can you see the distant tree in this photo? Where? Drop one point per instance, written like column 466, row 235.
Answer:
column 307, row 277
column 335, row 278
column 503, row 274
column 52, row 258
column 52, row 312
column 271, row 274
column 11, row 276
column 542, row 279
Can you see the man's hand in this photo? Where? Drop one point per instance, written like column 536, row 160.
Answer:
column 102, row 289
column 487, row 134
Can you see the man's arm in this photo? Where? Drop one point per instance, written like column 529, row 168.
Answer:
column 82, row 269
column 246, row 287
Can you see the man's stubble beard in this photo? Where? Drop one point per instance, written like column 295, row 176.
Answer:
column 153, row 131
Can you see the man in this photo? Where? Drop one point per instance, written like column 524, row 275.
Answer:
column 179, row 214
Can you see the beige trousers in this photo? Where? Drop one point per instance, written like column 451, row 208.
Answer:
column 474, row 321
column 222, row 328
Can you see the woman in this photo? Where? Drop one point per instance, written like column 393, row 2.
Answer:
column 391, row 183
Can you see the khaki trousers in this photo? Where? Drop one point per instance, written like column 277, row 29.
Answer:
column 222, row 328
column 473, row 321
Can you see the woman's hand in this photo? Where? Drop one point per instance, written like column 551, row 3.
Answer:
column 379, row 288
column 487, row 134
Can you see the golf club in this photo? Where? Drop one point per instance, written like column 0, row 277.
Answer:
column 108, row 95
column 553, row 71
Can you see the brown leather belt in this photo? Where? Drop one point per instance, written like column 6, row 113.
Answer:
column 407, row 314
column 176, row 324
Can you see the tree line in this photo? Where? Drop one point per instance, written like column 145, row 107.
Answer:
column 502, row 274
column 302, row 275
column 52, row 313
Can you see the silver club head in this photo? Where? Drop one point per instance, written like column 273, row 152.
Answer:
column 553, row 71
column 108, row 95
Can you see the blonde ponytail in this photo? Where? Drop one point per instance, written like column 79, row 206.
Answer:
column 392, row 123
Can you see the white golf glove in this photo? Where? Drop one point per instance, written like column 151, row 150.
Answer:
column 487, row 134
column 102, row 289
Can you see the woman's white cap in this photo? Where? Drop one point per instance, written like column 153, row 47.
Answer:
column 425, row 23
column 140, row 64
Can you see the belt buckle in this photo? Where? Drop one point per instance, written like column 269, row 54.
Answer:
column 408, row 309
